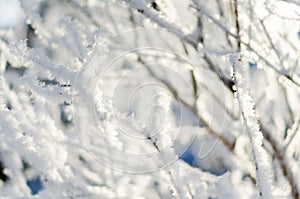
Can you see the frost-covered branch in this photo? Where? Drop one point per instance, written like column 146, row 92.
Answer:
column 228, row 143
column 261, row 159
column 158, row 134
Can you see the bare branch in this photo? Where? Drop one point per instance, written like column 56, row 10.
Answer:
column 237, row 24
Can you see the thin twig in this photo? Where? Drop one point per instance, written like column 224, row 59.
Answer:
column 228, row 144
column 285, row 95
column 294, row 132
column 237, row 25
column 195, row 89
column 271, row 42
column 226, row 30
column 279, row 155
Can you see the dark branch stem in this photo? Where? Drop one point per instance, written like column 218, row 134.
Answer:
column 237, row 24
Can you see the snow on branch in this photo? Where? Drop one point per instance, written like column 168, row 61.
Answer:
column 157, row 132
column 247, row 107
column 161, row 20
column 31, row 11
column 143, row 8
